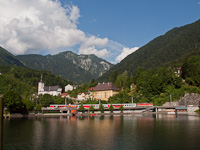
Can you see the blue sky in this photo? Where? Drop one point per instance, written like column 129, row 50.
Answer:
column 110, row 29
column 134, row 22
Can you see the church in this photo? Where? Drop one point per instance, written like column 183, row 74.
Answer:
column 51, row 90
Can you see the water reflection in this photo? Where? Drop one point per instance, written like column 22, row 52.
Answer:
column 103, row 132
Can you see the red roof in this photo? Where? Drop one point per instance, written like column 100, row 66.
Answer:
column 106, row 87
column 64, row 94
column 92, row 88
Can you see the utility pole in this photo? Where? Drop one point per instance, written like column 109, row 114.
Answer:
column 170, row 99
column 1, row 122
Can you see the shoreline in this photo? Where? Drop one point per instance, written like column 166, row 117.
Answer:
column 94, row 114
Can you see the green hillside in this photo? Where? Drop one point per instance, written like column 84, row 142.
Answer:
column 24, row 80
column 7, row 58
column 164, row 49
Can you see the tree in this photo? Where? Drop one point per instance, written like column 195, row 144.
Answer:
column 111, row 108
column 119, row 82
column 92, row 83
column 45, row 100
column 113, row 76
column 29, row 104
column 92, row 108
column 81, row 108
column 121, row 108
column 190, row 69
column 13, row 102
column 101, row 108
column 124, row 80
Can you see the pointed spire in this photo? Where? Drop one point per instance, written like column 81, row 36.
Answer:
column 41, row 78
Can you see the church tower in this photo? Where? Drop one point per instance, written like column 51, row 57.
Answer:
column 40, row 86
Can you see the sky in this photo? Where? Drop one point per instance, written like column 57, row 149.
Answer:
column 110, row 29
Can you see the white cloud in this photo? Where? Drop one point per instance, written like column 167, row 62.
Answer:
column 36, row 25
column 44, row 26
column 126, row 51
column 198, row 3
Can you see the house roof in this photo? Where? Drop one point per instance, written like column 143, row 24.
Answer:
column 105, row 87
column 92, row 88
column 51, row 88
column 63, row 94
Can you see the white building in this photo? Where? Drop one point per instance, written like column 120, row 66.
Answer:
column 81, row 96
column 51, row 90
column 68, row 88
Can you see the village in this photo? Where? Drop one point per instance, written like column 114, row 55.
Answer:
column 102, row 91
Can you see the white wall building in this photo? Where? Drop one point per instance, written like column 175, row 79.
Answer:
column 68, row 88
column 81, row 96
column 51, row 90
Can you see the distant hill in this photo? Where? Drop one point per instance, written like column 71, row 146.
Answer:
column 77, row 68
column 164, row 49
column 25, row 80
column 7, row 58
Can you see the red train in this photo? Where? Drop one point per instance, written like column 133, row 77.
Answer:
column 125, row 105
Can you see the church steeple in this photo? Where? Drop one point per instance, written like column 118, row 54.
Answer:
column 40, row 86
column 41, row 78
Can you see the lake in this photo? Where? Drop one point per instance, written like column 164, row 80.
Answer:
column 138, row 132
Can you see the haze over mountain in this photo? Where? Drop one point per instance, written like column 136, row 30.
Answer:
column 164, row 49
column 77, row 68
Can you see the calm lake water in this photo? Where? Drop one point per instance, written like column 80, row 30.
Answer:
column 136, row 132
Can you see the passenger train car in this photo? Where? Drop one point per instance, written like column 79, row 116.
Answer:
column 125, row 105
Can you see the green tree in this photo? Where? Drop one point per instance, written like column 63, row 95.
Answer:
column 81, row 108
column 92, row 108
column 121, row 108
column 119, row 82
column 101, row 108
column 45, row 100
column 92, row 83
column 29, row 104
column 190, row 69
column 38, row 107
column 113, row 76
column 13, row 102
column 124, row 77
column 111, row 108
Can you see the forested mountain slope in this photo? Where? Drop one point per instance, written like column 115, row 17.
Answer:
column 164, row 49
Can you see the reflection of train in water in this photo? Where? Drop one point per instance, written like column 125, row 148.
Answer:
column 125, row 105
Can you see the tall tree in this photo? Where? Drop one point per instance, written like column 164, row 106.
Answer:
column 113, row 76
column 13, row 101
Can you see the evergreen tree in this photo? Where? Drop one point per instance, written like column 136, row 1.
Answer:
column 81, row 108
column 111, row 108
column 91, row 108
column 113, row 76
column 121, row 108
column 101, row 108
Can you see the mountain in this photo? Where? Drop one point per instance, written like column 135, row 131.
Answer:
column 164, row 49
column 7, row 58
column 77, row 68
